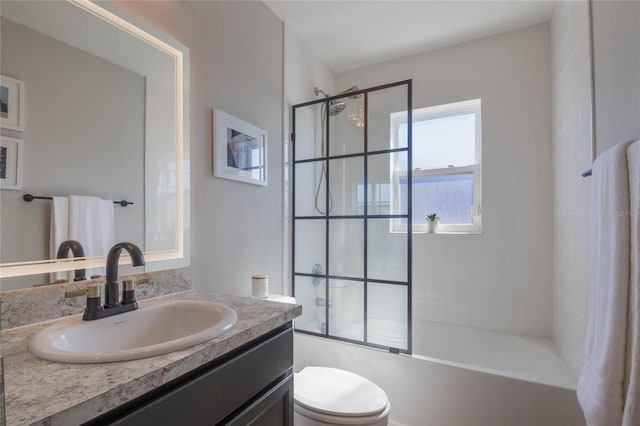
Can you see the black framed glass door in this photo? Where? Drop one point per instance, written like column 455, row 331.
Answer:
column 351, row 217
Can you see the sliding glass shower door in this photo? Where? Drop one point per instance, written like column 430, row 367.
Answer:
column 351, row 219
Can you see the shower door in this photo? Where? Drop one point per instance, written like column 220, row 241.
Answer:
column 351, row 216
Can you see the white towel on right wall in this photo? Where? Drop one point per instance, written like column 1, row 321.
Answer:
column 600, row 388
column 632, row 370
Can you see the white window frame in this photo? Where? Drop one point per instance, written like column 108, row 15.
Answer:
column 430, row 113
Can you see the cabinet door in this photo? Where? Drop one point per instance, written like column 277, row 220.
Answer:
column 274, row 408
column 215, row 395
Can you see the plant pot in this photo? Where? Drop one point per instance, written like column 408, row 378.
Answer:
column 432, row 227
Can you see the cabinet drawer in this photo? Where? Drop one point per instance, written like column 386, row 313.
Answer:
column 215, row 394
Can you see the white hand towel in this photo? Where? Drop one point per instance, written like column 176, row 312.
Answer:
column 632, row 374
column 91, row 223
column 58, row 232
column 600, row 388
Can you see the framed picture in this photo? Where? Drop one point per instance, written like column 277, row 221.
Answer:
column 10, row 163
column 240, row 150
column 11, row 103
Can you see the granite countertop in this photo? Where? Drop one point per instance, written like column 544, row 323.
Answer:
column 49, row 393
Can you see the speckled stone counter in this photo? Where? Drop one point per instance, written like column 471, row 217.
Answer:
column 47, row 393
column 30, row 305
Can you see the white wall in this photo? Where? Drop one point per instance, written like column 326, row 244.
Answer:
column 616, row 36
column 571, row 156
column 617, row 108
column 302, row 72
column 501, row 279
column 236, row 66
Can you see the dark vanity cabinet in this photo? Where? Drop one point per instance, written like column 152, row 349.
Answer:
column 252, row 385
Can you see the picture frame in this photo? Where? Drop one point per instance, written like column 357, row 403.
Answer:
column 11, row 103
column 10, row 163
column 240, row 150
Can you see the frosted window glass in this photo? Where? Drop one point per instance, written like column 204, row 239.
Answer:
column 451, row 196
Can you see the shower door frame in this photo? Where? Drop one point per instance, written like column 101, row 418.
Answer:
column 326, row 157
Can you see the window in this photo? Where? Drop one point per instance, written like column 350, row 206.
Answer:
column 446, row 166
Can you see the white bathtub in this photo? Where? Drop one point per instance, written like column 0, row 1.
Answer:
column 534, row 360
column 460, row 376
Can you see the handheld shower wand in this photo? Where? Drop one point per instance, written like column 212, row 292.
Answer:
column 335, row 108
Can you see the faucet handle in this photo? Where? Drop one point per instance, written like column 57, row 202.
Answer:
column 128, row 284
column 75, row 293
column 91, row 291
column 128, row 291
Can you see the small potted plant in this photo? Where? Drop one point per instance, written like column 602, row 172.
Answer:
column 432, row 222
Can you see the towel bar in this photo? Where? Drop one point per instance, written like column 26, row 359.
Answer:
column 29, row 198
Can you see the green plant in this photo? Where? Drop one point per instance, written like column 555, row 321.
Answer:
column 433, row 217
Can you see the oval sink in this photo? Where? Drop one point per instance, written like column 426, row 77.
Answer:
column 148, row 331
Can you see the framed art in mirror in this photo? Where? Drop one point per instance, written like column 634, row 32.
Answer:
column 240, row 150
column 10, row 163
column 11, row 103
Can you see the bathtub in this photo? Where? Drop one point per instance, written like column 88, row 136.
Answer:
column 459, row 376
column 530, row 359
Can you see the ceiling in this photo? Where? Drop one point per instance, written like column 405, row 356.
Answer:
column 347, row 35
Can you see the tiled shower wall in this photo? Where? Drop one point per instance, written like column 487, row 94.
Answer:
column 571, row 91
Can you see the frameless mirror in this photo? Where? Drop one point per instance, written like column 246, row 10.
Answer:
column 105, row 108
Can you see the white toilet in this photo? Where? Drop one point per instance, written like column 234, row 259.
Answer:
column 329, row 396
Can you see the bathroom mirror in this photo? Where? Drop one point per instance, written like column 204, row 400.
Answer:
column 106, row 115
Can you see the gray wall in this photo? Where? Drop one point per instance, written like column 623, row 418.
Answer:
column 77, row 106
column 236, row 66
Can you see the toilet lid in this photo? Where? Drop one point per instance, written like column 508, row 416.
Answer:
column 338, row 392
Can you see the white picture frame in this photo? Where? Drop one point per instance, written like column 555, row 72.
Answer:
column 11, row 103
column 239, row 150
column 10, row 163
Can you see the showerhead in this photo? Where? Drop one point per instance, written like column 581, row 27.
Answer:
column 336, row 107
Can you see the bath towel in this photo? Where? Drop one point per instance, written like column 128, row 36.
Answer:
column 632, row 371
column 58, row 232
column 600, row 387
column 91, row 223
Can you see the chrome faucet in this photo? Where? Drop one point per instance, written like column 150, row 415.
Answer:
column 112, row 287
column 76, row 249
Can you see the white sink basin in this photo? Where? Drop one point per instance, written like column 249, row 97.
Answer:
column 145, row 332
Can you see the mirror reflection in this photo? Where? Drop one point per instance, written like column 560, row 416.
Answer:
column 100, row 126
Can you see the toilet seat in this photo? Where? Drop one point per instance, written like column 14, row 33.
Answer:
column 321, row 418
column 336, row 396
